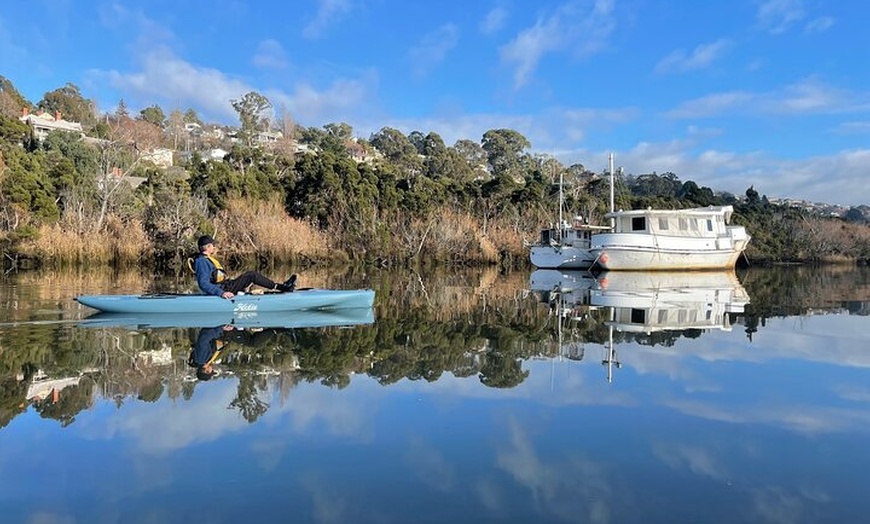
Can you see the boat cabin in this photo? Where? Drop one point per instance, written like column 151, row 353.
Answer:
column 700, row 222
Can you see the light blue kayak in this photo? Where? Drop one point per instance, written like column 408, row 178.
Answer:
column 303, row 299
column 306, row 318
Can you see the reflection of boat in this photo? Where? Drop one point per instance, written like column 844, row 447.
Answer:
column 567, row 246
column 291, row 319
column 649, row 239
column 572, row 287
column 267, row 302
column 659, row 301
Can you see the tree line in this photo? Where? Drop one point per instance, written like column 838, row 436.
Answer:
column 288, row 193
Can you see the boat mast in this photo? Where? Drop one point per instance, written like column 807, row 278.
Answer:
column 612, row 206
column 561, row 200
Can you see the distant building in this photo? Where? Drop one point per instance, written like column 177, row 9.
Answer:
column 160, row 157
column 266, row 137
column 215, row 154
column 44, row 123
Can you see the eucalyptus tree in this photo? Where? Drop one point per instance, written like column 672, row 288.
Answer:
column 399, row 151
column 153, row 115
column 69, row 102
column 505, row 153
column 252, row 109
column 12, row 103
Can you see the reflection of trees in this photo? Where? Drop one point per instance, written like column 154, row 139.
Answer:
column 423, row 331
column 74, row 400
column 248, row 401
column 502, row 371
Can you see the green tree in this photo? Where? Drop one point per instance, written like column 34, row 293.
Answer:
column 252, row 109
column 505, row 153
column 398, row 150
column 154, row 115
column 69, row 102
column 12, row 103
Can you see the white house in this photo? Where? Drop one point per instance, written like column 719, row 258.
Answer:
column 43, row 123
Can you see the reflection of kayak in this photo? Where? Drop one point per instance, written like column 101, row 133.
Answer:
column 266, row 302
column 286, row 319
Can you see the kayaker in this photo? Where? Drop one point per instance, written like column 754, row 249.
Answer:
column 213, row 279
column 207, row 351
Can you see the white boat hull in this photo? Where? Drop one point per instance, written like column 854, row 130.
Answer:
column 629, row 251
column 563, row 257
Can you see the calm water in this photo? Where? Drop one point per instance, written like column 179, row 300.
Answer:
column 463, row 397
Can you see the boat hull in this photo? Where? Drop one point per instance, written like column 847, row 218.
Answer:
column 308, row 318
column 564, row 257
column 625, row 251
column 265, row 303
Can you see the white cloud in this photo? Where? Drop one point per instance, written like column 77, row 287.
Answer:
column 807, row 96
column 852, row 128
column 494, row 20
column 167, row 79
column 328, row 12
column 819, row 25
column 777, row 16
column 432, row 48
column 270, row 55
column 575, row 27
column 700, row 57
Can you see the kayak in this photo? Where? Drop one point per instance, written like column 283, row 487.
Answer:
column 306, row 318
column 303, row 299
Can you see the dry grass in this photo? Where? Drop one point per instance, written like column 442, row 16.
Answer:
column 251, row 229
column 121, row 243
column 450, row 235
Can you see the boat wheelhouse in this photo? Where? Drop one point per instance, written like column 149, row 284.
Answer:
column 654, row 239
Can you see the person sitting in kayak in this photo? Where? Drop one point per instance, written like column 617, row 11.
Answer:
column 207, row 351
column 213, row 279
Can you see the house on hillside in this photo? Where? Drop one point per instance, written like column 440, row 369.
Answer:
column 159, row 156
column 44, row 123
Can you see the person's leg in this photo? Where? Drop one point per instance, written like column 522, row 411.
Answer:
column 246, row 279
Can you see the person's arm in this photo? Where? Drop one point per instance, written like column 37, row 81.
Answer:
column 204, row 269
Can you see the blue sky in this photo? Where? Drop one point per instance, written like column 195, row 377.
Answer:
column 770, row 93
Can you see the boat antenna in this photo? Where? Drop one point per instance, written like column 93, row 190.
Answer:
column 612, row 204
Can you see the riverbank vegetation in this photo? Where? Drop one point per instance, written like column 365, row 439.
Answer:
column 138, row 189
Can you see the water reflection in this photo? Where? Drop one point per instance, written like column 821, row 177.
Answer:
column 656, row 306
column 466, row 396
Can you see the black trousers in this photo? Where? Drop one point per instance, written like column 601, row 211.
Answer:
column 240, row 283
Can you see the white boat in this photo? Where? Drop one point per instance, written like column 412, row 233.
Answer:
column 567, row 245
column 644, row 302
column 655, row 239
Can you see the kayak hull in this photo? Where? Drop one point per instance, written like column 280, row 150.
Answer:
column 303, row 318
column 306, row 299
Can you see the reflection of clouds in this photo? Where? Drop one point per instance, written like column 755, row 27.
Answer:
column 171, row 425
column 798, row 418
column 268, row 452
column 430, row 465
column 490, row 496
column 777, row 506
column 572, row 488
column 42, row 517
column 165, row 426
column 694, row 458
column 852, row 392
column 329, row 505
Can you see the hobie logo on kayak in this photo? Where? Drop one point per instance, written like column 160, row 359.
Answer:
column 249, row 306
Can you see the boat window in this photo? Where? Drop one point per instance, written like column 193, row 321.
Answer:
column 663, row 223
column 638, row 224
column 663, row 316
column 684, row 224
column 638, row 316
column 709, row 224
column 694, row 224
